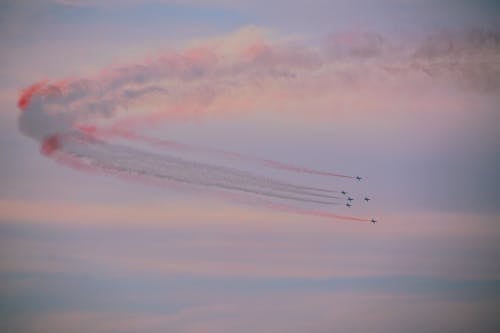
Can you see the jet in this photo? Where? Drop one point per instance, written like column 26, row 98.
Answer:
column 348, row 205
column 367, row 199
column 373, row 221
column 358, row 178
column 350, row 199
column 344, row 192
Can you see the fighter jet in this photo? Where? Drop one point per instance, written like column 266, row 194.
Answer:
column 358, row 178
column 367, row 199
column 350, row 199
column 348, row 205
column 373, row 221
column 344, row 192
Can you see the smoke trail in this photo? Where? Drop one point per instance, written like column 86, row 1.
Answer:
column 53, row 113
column 169, row 144
column 111, row 159
column 318, row 213
column 85, row 153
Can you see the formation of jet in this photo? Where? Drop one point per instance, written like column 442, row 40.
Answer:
column 349, row 200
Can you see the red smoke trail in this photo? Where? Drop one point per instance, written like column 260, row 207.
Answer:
column 311, row 212
column 41, row 88
column 123, row 161
column 27, row 93
column 50, row 145
column 289, row 167
column 291, row 209
column 331, row 215
column 134, row 136
column 52, row 148
column 61, row 105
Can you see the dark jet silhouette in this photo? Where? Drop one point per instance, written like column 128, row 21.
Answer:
column 367, row 199
column 373, row 221
column 348, row 205
column 358, row 178
column 350, row 199
column 344, row 192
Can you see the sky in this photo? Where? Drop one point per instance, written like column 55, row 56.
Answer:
column 161, row 166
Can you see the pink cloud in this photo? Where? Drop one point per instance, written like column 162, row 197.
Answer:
column 223, row 240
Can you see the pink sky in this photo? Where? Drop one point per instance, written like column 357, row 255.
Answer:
column 405, row 94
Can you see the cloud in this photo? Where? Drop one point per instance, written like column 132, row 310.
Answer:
column 292, row 312
column 221, row 240
column 114, row 3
